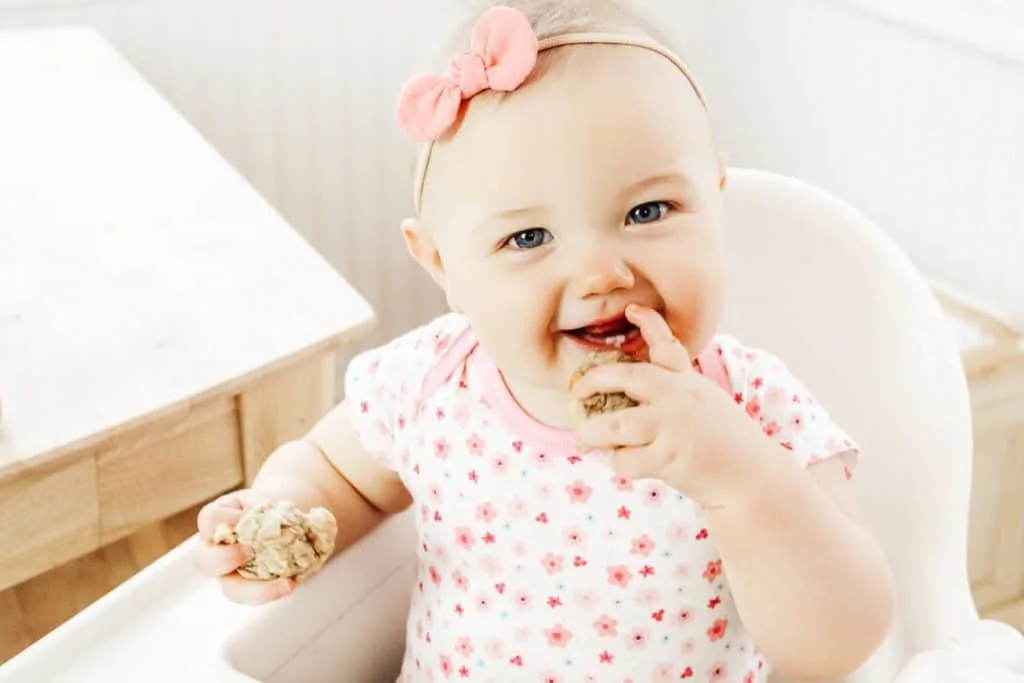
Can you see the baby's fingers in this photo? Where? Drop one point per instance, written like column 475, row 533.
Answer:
column 212, row 516
column 217, row 560
column 227, row 509
column 620, row 429
column 248, row 592
column 664, row 347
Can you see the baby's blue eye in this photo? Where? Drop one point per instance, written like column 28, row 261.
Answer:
column 648, row 212
column 529, row 239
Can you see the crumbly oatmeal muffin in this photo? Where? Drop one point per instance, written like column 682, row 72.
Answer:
column 581, row 409
column 287, row 541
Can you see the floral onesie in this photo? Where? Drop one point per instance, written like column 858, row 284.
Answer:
column 538, row 563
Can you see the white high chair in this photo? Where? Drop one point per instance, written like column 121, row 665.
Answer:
column 812, row 280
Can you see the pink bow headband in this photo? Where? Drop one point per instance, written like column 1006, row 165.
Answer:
column 503, row 52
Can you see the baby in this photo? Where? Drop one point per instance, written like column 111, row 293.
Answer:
column 568, row 202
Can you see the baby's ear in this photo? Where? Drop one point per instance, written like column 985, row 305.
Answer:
column 723, row 164
column 421, row 246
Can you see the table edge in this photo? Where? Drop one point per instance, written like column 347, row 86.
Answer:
column 74, row 449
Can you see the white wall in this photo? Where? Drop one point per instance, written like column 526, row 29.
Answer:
column 299, row 94
column 915, row 117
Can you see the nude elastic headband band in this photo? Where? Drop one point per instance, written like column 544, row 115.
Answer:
column 503, row 52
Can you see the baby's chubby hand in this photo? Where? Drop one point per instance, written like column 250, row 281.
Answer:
column 221, row 561
column 686, row 431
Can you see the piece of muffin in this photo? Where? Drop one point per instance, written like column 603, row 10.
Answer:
column 581, row 409
column 287, row 541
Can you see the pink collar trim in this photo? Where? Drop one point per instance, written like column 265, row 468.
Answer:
column 546, row 439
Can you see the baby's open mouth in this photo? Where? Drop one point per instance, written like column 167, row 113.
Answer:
column 617, row 333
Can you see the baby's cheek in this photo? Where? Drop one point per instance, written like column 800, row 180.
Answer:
column 694, row 323
column 695, row 302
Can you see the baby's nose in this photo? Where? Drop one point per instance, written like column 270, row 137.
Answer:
column 600, row 271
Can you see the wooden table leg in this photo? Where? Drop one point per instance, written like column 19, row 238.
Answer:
column 282, row 407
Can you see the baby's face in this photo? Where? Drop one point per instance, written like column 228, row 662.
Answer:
column 591, row 188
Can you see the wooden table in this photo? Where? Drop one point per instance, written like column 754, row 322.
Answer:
column 162, row 328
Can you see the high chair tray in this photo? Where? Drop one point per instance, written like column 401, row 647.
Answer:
column 169, row 624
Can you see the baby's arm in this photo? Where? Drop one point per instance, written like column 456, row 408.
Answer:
column 811, row 584
column 328, row 467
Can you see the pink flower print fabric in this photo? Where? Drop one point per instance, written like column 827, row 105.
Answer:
column 383, row 386
column 536, row 563
column 786, row 411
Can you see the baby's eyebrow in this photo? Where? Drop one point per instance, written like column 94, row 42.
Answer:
column 518, row 213
column 670, row 178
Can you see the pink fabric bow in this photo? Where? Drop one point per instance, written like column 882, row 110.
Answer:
column 503, row 53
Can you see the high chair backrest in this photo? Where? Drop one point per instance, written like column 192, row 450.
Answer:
column 819, row 285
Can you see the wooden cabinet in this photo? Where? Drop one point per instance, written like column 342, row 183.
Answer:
column 993, row 355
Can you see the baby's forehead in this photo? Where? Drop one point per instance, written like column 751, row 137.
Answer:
column 625, row 109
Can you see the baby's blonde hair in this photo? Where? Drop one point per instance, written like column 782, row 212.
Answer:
column 557, row 17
